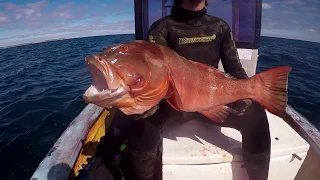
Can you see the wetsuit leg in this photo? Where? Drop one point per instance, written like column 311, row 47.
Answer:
column 144, row 142
column 256, row 143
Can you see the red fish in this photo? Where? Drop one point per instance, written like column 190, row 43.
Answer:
column 136, row 75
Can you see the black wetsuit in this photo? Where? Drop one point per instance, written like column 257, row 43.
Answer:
column 203, row 38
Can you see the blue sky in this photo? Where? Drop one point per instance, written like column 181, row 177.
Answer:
column 24, row 21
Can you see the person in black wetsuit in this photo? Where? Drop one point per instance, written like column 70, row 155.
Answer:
column 197, row 36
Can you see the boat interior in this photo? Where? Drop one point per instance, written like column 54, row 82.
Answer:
column 191, row 149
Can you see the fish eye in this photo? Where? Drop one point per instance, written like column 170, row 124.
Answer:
column 124, row 48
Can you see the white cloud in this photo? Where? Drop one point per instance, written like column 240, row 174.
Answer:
column 37, row 5
column 291, row 34
column 266, row 6
column 26, row 11
column 65, row 15
column 3, row 19
column 311, row 30
column 66, row 5
column 9, row 6
column 293, row 2
column 287, row 12
column 65, row 31
column 18, row 16
column 310, row 8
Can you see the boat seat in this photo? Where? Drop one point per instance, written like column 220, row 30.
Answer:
column 193, row 149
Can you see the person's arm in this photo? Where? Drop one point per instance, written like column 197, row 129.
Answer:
column 229, row 56
column 155, row 35
column 231, row 64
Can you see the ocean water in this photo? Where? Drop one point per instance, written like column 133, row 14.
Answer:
column 304, row 79
column 41, row 87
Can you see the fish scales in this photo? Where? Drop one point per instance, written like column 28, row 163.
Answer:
column 136, row 75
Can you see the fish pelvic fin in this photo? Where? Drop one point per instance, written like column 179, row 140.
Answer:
column 272, row 92
column 218, row 114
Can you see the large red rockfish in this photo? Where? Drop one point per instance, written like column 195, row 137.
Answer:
column 136, row 75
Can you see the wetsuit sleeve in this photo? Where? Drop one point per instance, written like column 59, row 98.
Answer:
column 155, row 35
column 230, row 58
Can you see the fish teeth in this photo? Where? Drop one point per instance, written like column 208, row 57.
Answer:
column 103, row 90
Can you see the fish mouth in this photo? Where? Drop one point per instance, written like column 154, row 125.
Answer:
column 106, row 82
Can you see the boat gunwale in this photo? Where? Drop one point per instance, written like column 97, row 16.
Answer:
column 304, row 128
column 66, row 149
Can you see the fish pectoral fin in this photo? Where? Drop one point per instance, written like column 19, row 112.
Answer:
column 169, row 92
column 218, row 114
column 173, row 97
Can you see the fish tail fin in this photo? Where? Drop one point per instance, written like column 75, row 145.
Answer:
column 272, row 93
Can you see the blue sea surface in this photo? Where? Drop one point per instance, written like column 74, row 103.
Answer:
column 304, row 79
column 42, row 84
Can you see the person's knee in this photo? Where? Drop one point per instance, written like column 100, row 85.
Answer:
column 255, row 130
column 246, row 108
column 257, row 106
column 256, row 112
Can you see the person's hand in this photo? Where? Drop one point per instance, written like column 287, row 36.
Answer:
column 146, row 114
column 241, row 107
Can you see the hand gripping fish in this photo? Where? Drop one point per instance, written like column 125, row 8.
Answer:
column 136, row 75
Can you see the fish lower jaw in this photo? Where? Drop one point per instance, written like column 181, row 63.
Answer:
column 92, row 94
column 92, row 91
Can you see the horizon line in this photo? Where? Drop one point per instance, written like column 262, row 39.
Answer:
column 66, row 38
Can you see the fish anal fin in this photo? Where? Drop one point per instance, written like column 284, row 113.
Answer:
column 218, row 114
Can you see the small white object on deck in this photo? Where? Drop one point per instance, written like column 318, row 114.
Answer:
column 195, row 150
column 248, row 59
column 245, row 54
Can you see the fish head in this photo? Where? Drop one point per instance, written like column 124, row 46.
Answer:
column 123, row 75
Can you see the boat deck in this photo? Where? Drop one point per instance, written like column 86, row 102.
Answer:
column 194, row 149
column 190, row 147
